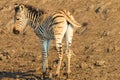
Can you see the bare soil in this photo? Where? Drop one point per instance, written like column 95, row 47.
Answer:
column 96, row 50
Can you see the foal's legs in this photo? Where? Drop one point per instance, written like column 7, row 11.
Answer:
column 69, row 36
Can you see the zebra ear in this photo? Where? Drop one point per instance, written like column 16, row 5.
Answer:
column 21, row 7
column 16, row 7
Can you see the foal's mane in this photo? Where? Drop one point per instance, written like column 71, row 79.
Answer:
column 35, row 10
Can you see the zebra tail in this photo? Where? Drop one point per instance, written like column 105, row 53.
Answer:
column 71, row 19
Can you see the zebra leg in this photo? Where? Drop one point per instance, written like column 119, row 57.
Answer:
column 59, row 32
column 60, row 53
column 48, row 45
column 44, row 55
column 68, row 53
column 69, row 35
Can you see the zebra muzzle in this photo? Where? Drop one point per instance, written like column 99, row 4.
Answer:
column 16, row 31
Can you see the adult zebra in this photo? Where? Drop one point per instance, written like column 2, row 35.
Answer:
column 47, row 27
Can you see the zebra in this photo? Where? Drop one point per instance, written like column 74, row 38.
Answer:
column 47, row 27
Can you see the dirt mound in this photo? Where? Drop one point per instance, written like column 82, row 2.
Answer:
column 96, row 49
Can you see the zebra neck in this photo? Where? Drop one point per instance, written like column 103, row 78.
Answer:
column 35, row 22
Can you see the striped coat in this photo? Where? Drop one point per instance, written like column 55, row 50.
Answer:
column 47, row 27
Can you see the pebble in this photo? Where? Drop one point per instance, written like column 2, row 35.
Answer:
column 99, row 63
column 77, row 66
column 83, row 65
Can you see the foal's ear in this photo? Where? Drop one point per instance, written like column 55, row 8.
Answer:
column 21, row 7
column 16, row 7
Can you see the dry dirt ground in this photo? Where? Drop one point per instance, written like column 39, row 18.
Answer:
column 96, row 50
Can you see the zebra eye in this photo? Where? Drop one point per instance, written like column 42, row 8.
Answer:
column 17, row 18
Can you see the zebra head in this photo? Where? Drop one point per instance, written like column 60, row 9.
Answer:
column 20, row 18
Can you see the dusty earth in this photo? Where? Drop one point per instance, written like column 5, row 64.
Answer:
column 96, row 50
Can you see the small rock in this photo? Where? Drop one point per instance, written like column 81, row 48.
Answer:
column 107, row 50
column 13, row 51
column 99, row 63
column 1, row 31
column 6, row 54
column 77, row 66
column 97, row 10
column 17, row 76
column 83, row 65
column 0, row 59
column 91, row 66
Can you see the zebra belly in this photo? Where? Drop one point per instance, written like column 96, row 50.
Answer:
column 45, row 34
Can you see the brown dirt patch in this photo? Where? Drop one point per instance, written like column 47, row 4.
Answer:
column 96, row 50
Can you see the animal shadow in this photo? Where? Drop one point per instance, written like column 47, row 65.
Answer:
column 29, row 75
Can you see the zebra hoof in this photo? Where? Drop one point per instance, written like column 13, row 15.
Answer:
column 57, row 75
column 45, row 75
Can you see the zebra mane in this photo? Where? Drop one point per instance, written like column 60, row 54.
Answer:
column 30, row 8
column 41, row 14
column 35, row 10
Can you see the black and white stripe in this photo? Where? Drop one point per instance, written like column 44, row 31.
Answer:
column 47, row 27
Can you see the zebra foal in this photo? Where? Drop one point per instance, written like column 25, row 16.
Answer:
column 47, row 27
